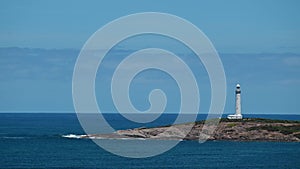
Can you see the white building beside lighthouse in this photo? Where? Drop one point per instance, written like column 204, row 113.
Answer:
column 238, row 107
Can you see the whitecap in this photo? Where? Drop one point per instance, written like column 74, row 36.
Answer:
column 73, row 136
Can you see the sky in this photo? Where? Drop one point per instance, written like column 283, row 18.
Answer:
column 258, row 43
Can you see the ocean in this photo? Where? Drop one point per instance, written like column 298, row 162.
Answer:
column 35, row 140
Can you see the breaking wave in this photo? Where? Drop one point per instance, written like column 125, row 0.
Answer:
column 73, row 136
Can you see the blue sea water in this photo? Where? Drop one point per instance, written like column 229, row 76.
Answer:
column 34, row 140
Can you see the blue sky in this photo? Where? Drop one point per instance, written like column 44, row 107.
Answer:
column 233, row 26
column 258, row 42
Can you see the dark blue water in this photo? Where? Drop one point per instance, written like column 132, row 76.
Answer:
column 34, row 141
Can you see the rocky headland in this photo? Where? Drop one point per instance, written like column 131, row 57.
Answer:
column 248, row 129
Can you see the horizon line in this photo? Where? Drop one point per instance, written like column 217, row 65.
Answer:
column 73, row 112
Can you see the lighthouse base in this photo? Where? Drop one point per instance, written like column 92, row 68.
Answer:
column 235, row 116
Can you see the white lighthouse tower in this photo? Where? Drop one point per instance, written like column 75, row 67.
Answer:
column 238, row 107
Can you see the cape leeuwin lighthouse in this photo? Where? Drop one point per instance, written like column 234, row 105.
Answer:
column 238, row 108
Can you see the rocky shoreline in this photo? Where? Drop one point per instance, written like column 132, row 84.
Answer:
column 249, row 129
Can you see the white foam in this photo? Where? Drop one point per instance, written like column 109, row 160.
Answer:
column 73, row 136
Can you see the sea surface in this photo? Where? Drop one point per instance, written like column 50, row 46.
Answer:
column 35, row 140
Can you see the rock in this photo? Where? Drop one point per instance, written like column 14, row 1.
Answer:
column 241, row 130
column 238, row 130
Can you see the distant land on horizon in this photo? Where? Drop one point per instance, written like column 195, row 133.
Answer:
column 248, row 129
column 174, row 113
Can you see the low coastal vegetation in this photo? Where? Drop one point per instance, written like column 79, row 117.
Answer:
column 259, row 120
column 282, row 129
column 247, row 129
column 255, row 120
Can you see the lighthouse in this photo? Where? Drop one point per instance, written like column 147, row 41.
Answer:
column 238, row 107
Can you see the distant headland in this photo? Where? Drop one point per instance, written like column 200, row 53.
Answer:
column 239, row 130
column 247, row 129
